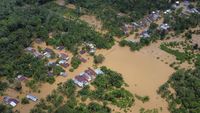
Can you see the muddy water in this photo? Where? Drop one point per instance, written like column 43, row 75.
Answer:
column 142, row 72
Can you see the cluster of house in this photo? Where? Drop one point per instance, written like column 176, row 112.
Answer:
column 164, row 27
column 13, row 102
column 147, row 20
column 193, row 10
column 10, row 101
column 86, row 77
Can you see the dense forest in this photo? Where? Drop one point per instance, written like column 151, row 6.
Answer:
column 114, row 13
column 186, row 95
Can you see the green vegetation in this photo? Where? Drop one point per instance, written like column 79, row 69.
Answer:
column 24, row 100
column 116, row 13
column 75, row 62
column 99, row 59
column 186, row 84
column 3, row 86
column 187, row 53
column 142, row 110
column 5, row 109
column 143, row 99
column 120, row 97
column 68, row 88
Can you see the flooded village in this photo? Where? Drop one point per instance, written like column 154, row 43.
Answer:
column 144, row 71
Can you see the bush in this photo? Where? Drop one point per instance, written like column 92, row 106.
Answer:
column 99, row 59
column 50, row 80
column 75, row 62
column 24, row 100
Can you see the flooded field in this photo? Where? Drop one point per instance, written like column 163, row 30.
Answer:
column 143, row 73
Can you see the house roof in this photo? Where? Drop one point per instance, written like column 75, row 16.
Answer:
column 31, row 97
column 82, row 59
column 60, row 47
column 21, row 78
column 48, row 50
column 63, row 56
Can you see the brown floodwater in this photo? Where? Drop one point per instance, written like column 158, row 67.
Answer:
column 141, row 71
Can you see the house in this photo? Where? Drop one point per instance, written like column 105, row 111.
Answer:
column 64, row 74
column 92, row 48
column 86, row 76
column 60, row 47
column 192, row 10
column 168, row 11
column 11, row 101
column 38, row 55
column 30, row 50
column 47, row 55
column 164, row 26
column 50, row 74
column 63, row 63
column 21, row 78
column 177, row 3
column 186, row 3
column 63, row 56
column 82, row 52
column 34, row 52
column 144, row 34
column 47, row 52
column 99, row 71
column 82, row 59
column 80, row 81
column 31, row 97
column 51, row 64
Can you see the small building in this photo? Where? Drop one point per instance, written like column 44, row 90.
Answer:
column 60, row 48
column 168, row 11
column 63, row 63
column 38, row 55
column 63, row 56
column 82, row 52
column 177, row 3
column 11, row 101
column 92, row 48
column 50, row 74
column 80, row 81
column 21, row 78
column 144, row 34
column 82, row 59
column 164, row 26
column 31, row 97
column 30, row 50
column 99, row 71
column 51, row 64
column 86, row 76
column 47, row 52
column 64, row 74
